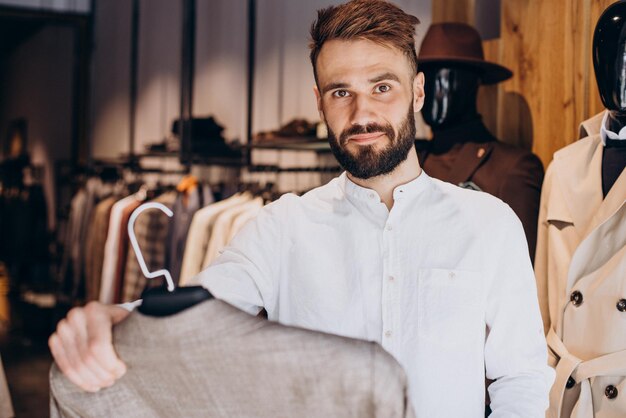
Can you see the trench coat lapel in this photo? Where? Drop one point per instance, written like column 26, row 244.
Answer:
column 591, row 126
column 611, row 203
column 599, row 247
column 578, row 169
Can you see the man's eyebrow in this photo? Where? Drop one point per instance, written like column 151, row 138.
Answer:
column 385, row 76
column 333, row 86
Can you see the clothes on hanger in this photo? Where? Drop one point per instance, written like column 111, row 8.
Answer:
column 111, row 250
column 580, row 265
column 213, row 360
column 94, row 247
column 223, row 228
column 6, row 407
column 151, row 229
column 190, row 199
column 200, row 233
column 24, row 235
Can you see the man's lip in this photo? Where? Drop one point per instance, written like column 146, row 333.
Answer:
column 365, row 137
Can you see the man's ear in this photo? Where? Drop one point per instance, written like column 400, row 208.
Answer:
column 418, row 92
column 318, row 98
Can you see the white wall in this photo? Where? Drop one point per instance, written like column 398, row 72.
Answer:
column 220, row 84
column 283, row 79
column 158, row 72
column 110, row 88
column 37, row 85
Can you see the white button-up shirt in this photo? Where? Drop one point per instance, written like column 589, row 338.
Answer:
column 606, row 133
column 443, row 282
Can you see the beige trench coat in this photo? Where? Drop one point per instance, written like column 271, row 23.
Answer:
column 581, row 275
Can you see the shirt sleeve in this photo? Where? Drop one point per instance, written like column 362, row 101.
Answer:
column 245, row 274
column 515, row 346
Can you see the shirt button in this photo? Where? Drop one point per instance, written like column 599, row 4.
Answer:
column 389, row 227
column 576, row 298
column 372, row 196
column 570, row 383
column 451, row 275
column 388, row 334
column 621, row 305
column 391, row 278
column 611, row 392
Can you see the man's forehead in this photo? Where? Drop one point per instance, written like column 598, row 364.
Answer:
column 361, row 59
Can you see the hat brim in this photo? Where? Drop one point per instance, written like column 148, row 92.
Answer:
column 490, row 73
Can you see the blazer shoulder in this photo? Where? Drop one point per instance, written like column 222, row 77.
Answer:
column 508, row 154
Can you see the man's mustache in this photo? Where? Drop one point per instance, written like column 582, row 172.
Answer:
column 367, row 129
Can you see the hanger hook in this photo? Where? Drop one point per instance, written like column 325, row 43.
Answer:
column 135, row 244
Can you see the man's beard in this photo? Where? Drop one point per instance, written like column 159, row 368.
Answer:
column 367, row 161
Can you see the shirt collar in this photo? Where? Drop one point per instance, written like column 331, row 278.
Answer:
column 407, row 190
column 605, row 133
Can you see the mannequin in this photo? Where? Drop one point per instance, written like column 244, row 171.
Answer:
column 609, row 52
column 450, row 95
column 581, row 246
column 463, row 151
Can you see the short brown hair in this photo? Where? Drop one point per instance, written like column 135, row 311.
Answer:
column 375, row 20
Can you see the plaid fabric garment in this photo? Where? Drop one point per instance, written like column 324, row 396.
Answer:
column 151, row 230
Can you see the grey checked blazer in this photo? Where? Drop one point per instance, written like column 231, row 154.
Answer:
column 213, row 360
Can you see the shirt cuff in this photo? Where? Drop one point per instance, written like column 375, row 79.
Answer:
column 131, row 306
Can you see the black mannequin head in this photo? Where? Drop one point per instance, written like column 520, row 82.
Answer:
column 450, row 92
column 609, row 58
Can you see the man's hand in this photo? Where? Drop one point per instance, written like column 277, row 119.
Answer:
column 82, row 346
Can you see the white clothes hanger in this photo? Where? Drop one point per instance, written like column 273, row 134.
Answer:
column 135, row 244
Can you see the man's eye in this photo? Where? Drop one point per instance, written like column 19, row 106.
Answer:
column 340, row 93
column 383, row 88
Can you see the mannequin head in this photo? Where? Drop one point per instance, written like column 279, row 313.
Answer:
column 450, row 94
column 452, row 59
column 609, row 58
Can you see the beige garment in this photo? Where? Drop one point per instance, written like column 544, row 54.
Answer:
column 213, row 360
column 243, row 218
column 199, row 234
column 221, row 229
column 111, row 250
column 6, row 407
column 581, row 257
column 94, row 251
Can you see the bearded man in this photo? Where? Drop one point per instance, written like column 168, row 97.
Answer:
column 438, row 275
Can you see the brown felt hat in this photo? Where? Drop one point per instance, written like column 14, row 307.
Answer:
column 458, row 43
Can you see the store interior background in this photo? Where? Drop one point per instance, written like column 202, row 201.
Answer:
column 98, row 79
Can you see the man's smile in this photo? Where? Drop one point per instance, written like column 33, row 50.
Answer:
column 366, row 139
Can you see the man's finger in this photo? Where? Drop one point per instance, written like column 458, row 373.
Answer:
column 77, row 320
column 62, row 361
column 100, row 342
column 70, row 344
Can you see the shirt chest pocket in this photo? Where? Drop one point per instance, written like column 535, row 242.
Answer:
column 450, row 306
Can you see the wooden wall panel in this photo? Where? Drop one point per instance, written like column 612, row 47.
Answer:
column 538, row 49
column 453, row 11
column 547, row 45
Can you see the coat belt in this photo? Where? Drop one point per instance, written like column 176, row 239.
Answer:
column 581, row 371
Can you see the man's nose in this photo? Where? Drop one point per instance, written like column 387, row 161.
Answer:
column 362, row 111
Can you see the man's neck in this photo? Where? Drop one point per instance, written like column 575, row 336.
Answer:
column 384, row 185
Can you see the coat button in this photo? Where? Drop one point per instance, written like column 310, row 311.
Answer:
column 621, row 305
column 611, row 392
column 570, row 383
column 576, row 298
